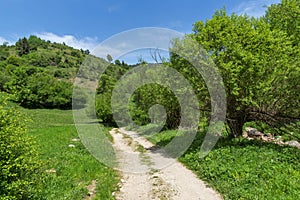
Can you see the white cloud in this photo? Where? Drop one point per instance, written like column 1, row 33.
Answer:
column 254, row 8
column 70, row 40
column 130, row 45
column 2, row 40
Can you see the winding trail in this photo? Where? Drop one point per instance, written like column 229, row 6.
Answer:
column 145, row 175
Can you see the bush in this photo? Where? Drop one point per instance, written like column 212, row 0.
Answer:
column 103, row 108
column 34, row 88
column 19, row 164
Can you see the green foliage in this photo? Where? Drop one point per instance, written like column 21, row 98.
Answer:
column 152, row 94
column 141, row 100
column 92, row 67
column 258, row 66
column 103, row 108
column 40, row 73
column 22, row 47
column 106, row 85
column 4, row 52
column 109, row 58
column 14, row 60
column 5, row 77
column 19, row 163
column 285, row 16
column 35, row 42
column 34, row 88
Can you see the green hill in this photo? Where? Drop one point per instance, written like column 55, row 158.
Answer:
column 40, row 74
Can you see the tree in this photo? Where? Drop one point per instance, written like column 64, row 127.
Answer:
column 4, row 52
column 22, row 47
column 35, row 42
column 153, row 94
column 156, row 56
column 109, row 58
column 86, row 52
column 257, row 66
column 118, row 62
column 285, row 16
column 32, row 87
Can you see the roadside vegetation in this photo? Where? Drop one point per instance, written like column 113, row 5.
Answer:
column 259, row 62
column 258, row 59
column 239, row 168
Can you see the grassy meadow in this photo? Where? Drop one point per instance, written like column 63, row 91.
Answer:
column 68, row 170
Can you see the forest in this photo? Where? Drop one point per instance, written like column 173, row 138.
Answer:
column 258, row 60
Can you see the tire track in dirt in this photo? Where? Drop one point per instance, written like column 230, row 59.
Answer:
column 144, row 176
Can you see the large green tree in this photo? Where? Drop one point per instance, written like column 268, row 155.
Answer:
column 285, row 16
column 258, row 66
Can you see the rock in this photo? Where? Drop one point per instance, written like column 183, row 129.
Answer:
column 278, row 139
column 293, row 143
column 280, row 142
column 253, row 132
column 75, row 140
column 245, row 134
column 265, row 138
column 270, row 135
column 122, row 190
column 71, row 145
column 92, row 190
column 51, row 171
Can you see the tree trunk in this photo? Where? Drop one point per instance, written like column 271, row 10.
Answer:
column 236, row 127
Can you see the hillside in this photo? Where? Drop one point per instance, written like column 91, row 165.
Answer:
column 40, row 74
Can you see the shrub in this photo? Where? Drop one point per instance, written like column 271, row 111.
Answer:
column 19, row 164
column 34, row 88
column 103, row 108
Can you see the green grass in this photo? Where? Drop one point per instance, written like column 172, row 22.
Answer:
column 242, row 169
column 42, row 118
column 153, row 134
column 164, row 137
column 75, row 167
column 236, row 168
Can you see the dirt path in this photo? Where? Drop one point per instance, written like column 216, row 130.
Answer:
column 147, row 176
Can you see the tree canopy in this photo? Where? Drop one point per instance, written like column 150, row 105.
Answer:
column 259, row 66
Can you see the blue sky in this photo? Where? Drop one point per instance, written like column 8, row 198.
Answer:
column 85, row 23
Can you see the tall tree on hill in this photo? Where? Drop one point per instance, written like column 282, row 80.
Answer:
column 22, row 47
column 109, row 58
